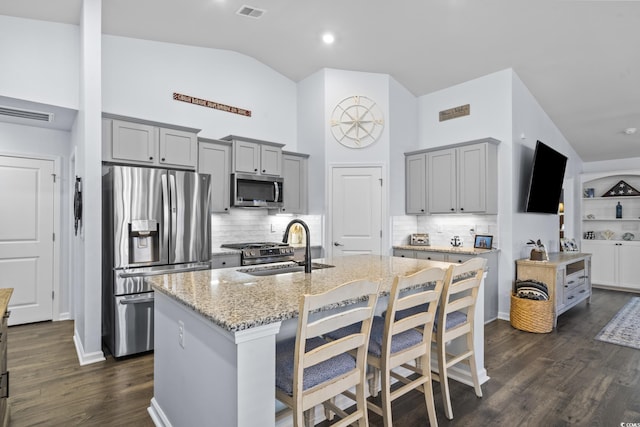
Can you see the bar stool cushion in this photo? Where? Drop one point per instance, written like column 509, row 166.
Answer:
column 313, row 375
column 454, row 318
column 399, row 342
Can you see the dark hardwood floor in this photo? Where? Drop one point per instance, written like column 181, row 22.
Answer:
column 562, row 378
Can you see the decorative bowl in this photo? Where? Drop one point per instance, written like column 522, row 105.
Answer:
column 628, row 236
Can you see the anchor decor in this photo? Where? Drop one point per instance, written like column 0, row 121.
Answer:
column 621, row 189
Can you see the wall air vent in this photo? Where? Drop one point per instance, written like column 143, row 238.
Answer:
column 250, row 11
column 26, row 114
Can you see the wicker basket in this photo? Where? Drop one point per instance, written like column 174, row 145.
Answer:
column 531, row 315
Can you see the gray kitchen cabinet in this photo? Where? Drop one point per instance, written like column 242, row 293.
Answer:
column 298, row 252
column 441, row 181
column 254, row 156
column 415, row 184
column 463, row 179
column 460, row 178
column 139, row 142
column 296, row 188
column 225, row 261
column 214, row 158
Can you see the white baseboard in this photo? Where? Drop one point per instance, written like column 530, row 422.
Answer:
column 157, row 415
column 86, row 358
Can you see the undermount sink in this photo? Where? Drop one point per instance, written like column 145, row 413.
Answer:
column 272, row 270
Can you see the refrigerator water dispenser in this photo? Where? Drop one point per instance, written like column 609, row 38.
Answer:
column 143, row 241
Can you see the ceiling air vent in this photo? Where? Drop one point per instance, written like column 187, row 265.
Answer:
column 250, row 11
column 26, row 114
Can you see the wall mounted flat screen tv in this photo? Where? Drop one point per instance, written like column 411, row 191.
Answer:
column 547, row 176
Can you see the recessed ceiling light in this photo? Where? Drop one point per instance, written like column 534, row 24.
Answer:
column 630, row 131
column 328, row 38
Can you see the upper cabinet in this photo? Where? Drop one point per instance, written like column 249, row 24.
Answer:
column 295, row 174
column 147, row 143
column 254, row 156
column 461, row 178
column 214, row 158
column 415, row 184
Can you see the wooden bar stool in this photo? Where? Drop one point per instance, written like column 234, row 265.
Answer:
column 397, row 340
column 456, row 313
column 311, row 370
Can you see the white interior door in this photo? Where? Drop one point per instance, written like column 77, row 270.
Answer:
column 26, row 237
column 356, row 210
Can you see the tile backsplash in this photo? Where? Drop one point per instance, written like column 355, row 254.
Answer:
column 441, row 228
column 256, row 225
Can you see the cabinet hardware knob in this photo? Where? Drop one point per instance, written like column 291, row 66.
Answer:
column 264, row 170
column 421, row 210
column 452, row 209
column 224, row 263
column 461, row 209
column 162, row 159
column 150, row 157
column 226, row 209
column 255, row 170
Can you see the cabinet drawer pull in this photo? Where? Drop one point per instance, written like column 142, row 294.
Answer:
column 571, row 297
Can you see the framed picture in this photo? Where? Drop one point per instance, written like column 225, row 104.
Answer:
column 483, row 241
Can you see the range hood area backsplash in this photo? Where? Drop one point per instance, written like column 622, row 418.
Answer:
column 441, row 228
column 256, row 225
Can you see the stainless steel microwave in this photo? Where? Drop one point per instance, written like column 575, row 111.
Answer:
column 256, row 191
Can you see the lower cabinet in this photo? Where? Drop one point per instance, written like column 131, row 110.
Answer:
column 567, row 276
column 490, row 282
column 225, row 261
column 613, row 263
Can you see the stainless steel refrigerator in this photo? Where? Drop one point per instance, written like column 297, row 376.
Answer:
column 155, row 221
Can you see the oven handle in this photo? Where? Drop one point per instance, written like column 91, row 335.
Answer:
column 140, row 300
column 277, row 191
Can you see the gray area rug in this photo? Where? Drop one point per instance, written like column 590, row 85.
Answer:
column 624, row 328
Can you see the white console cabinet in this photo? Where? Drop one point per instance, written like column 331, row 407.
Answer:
column 566, row 274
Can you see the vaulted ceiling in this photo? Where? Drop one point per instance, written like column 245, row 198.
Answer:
column 579, row 58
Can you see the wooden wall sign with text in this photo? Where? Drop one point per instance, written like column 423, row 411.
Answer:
column 452, row 113
column 211, row 104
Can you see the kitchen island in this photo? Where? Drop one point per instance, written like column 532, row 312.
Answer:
column 216, row 331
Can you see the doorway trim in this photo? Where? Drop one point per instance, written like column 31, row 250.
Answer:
column 57, row 216
column 385, row 249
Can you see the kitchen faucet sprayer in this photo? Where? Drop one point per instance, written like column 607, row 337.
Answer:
column 307, row 251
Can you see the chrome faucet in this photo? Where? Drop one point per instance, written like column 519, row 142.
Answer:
column 307, row 252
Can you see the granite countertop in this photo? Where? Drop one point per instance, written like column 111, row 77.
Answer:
column 467, row 250
column 236, row 301
column 5, row 295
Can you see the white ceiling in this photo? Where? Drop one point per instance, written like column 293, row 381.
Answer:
column 579, row 58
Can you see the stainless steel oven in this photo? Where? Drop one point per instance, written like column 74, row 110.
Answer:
column 262, row 252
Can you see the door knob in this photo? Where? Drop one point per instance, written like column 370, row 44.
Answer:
column 337, row 244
